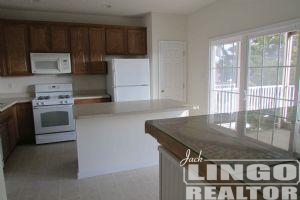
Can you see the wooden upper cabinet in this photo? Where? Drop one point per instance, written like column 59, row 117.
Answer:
column 97, row 51
column 60, row 40
column 137, row 41
column 80, row 49
column 49, row 38
column 39, row 38
column 115, row 41
column 16, row 47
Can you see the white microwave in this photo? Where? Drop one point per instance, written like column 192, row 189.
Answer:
column 50, row 63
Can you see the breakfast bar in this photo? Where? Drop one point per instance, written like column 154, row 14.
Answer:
column 110, row 136
column 221, row 139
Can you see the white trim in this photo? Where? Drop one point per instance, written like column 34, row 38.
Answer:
column 287, row 25
column 184, row 67
column 244, row 37
column 225, row 40
column 237, row 40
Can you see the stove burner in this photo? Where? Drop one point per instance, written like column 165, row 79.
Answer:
column 43, row 97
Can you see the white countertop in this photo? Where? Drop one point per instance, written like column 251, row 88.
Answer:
column 90, row 94
column 10, row 99
column 82, row 111
column 6, row 103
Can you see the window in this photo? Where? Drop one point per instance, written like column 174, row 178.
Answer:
column 264, row 84
column 225, row 77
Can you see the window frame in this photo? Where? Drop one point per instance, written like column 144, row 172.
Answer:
column 211, row 46
column 244, row 37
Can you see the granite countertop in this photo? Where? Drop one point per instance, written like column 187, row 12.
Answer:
column 230, row 139
column 222, row 136
column 96, row 110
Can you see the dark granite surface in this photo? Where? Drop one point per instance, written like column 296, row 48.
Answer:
column 241, row 135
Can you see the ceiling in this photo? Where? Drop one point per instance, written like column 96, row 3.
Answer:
column 109, row 7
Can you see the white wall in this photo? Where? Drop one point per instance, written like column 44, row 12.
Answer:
column 68, row 17
column 221, row 18
column 23, row 84
column 162, row 27
column 90, row 82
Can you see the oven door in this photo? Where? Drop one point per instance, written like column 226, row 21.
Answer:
column 53, row 119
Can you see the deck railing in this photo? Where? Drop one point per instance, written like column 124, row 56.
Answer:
column 265, row 97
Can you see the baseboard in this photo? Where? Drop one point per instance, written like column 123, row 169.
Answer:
column 87, row 174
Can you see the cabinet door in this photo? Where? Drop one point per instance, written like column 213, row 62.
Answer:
column 80, row 49
column 137, row 41
column 115, row 41
column 4, row 132
column 39, row 38
column 15, row 37
column 60, row 40
column 2, row 52
column 13, row 133
column 25, row 123
column 97, row 51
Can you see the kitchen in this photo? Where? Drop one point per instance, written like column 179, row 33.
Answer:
column 87, row 92
column 103, row 63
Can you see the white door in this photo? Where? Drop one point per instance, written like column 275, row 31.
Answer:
column 131, row 72
column 172, row 70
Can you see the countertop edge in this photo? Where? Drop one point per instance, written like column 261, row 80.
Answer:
column 16, row 100
column 91, row 97
column 182, row 108
column 14, row 103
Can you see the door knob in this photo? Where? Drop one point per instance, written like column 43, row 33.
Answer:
column 162, row 91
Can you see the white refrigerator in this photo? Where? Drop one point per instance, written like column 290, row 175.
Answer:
column 128, row 79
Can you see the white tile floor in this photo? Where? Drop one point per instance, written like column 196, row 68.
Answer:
column 42, row 172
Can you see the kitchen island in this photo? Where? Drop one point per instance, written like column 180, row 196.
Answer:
column 221, row 139
column 110, row 136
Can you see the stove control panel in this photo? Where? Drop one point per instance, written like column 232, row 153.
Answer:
column 53, row 102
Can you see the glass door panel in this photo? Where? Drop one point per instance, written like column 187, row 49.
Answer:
column 272, row 63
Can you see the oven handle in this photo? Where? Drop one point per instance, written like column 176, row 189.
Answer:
column 55, row 106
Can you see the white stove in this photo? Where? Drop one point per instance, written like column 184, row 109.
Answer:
column 53, row 113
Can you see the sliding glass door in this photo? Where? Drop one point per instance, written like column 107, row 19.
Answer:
column 270, row 92
column 257, row 73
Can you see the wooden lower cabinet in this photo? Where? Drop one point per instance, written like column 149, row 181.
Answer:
column 93, row 100
column 25, row 123
column 4, row 134
column 8, row 131
column 16, row 127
